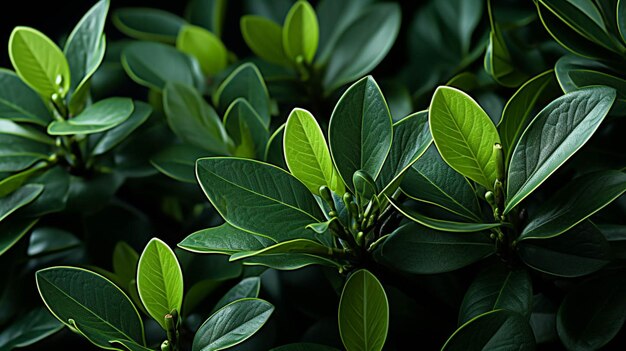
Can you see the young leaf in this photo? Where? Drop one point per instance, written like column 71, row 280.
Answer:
column 301, row 32
column 68, row 293
column 247, row 82
column 247, row 129
column 192, row 119
column 575, row 202
column 232, row 324
column 19, row 198
column 265, row 38
column 28, row 329
column 417, row 249
column 557, row 132
column 99, row 117
column 246, row 288
column 148, row 24
column 207, row 48
column 224, row 239
column 258, row 197
column 39, row 62
column 364, row 187
column 363, row 313
column 115, row 136
column 497, row 287
column 307, row 155
column 361, row 108
column 159, row 281
column 499, row 329
column 464, row 135
column 18, row 102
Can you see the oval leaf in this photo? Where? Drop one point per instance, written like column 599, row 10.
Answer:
column 99, row 117
column 247, row 82
column 18, row 102
column 207, row 48
column 301, row 32
column 224, row 239
column 148, row 24
column 265, row 38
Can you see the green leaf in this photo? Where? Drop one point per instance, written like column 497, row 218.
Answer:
column 303, row 346
column 499, row 62
column 247, row 129
column 68, row 293
column 495, row 330
column 116, row 135
column 274, row 151
column 364, row 187
column 9, row 127
column 265, row 38
column 125, row 260
column 557, row 132
column 85, row 46
column 232, row 324
column 99, row 117
column 56, row 182
column 178, row 162
column 411, row 138
column 535, row 93
column 362, row 45
column 307, row 155
column 39, row 62
column 497, row 287
column 417, row 249
column 439, row 224
column 29, row 329
column 17, row 153
column 258, row 197
column 14, row 181
column 140, row 59
column 289, row 246
column 431, row 180
column 224, row 239
column 246, row 82
column 148, row 24
column 208, row 14
column 464, row 135
column 593, row 313
column 19, row 198
column 360, row 131
column 621, row 18
column 18, row 102
column 363, row 313
column 44, row 240
column 12, row 231
column 579, row 251
column 575, row 202
column 301, row 32
column 192, row 119
column 206, row 47
column 246, row 288
column 159, row 281
column 291, row 261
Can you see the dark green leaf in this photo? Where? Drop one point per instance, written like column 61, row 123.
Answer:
column 29, row 328
column 148, row 24
column 12, row 231
column 290, row 246
column 116, row 135
column 290, row 261
column 274, row 151
column 246, row 288
column 125, row 260
column 304, row 347
column 178, row 162
column 247, row 129
column 224, row 239
column 56, row 182
column 246, row 82
column 208, row 14
column 19, row 198
column 99, row 117
column 44, row 240
column 621, row 19
column 18, row 102
column 18, row 153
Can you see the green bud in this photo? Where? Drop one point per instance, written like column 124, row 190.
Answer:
column 490, row 197
column 499, row 153
column 165, row 346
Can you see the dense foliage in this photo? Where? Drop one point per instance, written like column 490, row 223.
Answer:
column 467, row 195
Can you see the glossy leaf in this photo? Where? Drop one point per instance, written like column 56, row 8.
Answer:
column 29, row 329
column 39, row 62
column 148, row 24
column 497, row 287
column 258, row 197
column 621, row 19
column 246, row 288
column 361, row 108
column 265, row 38
column 291, row 261
column 247, row 129
column 495, row 330
column 117, row 135
column 207, row 48
column 558, row 131
column 45, row 240
column 53, row 198
column 301, row 32
column 232, row 324
column 178, row 162
column 208, row 14
column 12, row 231
column 18, row 199
column 417, row 249
column 304, row 347
column 290, row 246
column 464, row 135
column 364, row 187
column 576, row 201
column 159, row 281
column 18, row 153
column 579, row 251
column 362, row 45
column 246, row 82
column 363, row 313
column 192, row 119
column 125, row 260
column 99, row 117
column 307, row 154
column 274, row 151
column 18, row 102
column 69, row 294
column 224, row 239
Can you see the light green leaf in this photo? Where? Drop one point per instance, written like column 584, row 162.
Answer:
column 307, row 154
column 12, row 231
column 232, row 324
column 19, row 198
column 99, row 117
column 29, row 328
column 360, row 130
column 148, row 24
column 363, row 313
column 464, row 135
column 247, row 130
column 68, row 293
column 301, row 32
column 265, row 38
column 18, row 102
column 159, row 281
column 116, row 135
column 206, row 47
column 557, row 132
column 258, row 197
column 224, row 239
column 39, row 62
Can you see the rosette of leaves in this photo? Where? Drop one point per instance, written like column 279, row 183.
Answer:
column 483, row 181
column 330, row 206
column 68, row 293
